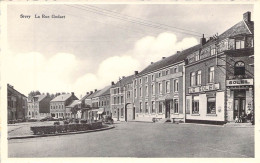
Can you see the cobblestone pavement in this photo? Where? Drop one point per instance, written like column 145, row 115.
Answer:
column 132, row 139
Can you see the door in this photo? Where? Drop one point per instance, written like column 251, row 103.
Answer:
column 133, row 113
column 239, row 107
column 167, row 109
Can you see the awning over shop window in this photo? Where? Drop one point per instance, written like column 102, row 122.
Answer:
column 100, row 110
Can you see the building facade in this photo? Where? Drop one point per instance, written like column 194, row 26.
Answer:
column 58, row 105
column 39, row 106
column 122, row 99
column 17, row 104
column 220, row 76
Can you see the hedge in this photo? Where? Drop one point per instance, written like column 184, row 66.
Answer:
column 41, row 130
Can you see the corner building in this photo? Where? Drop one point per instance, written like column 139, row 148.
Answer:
column 219, row 75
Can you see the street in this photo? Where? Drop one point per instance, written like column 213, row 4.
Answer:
column 133, row 139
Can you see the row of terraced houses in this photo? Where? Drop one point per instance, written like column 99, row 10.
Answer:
column 212, row 81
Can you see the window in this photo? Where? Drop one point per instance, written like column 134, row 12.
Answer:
column 167, row 72
column 176, row 106
column 211, row 105
column 197, row 57
column 195, row 105
column 146, row 107
column 175, row 69
column 211, row 74
column 135, row 92
column 176, row 85
column 153, row 89
column 153, row 106
column 192, row 79
column 159, row 74
column 140, row 92
column 212, row 51
column 141, row 107
column 240, row 44
column 167, row 87
column 146, row 90
column 140, row 80
column 160, row 106
column 114, row 100
column 146, row 79
column 199, row 78
column 122, row 112
column 160, row 88
column 152, row 77
column 29, row 113
column 122, row 99
column 239, row 68
column 118, row 100
column 135, row 82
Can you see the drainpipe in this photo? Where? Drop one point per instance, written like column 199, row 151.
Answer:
column 184, row 94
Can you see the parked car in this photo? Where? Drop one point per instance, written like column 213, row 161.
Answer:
column 108, row 119
column 48, row 118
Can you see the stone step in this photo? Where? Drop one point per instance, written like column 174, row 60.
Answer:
column 233, row 124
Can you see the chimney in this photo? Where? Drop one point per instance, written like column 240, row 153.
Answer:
column 112, row 83
column 87, row 93
column 151, row 63
column 136, row 72
column 202, row 40
column 247, row 16
column 123, row 77
column 72, row 93
column 95, row 90
column 178, row 52
column 163, row 57
column 91, row 92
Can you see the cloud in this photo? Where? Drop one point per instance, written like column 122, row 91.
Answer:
column 33, row 71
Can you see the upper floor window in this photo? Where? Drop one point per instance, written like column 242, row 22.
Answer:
column 197, row 57
column 175, row 69
column 146, row 90
column 240, row 44
column 167, row 87
column 122, row 99
column 146, row 79
column 135, row 82
column 199, row 78
column 212, row 51
column 192, row 79
column 153, row 89
column 152, row 77
column 239, row 68
column 140, row 80
column 211, row 75
column 160, row 88
column 135, row 93
column 159, row 74
column 140, row 92
column 167, row 72
column 176, row 85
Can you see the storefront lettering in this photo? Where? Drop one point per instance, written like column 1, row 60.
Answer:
column 239, row 82
column 205, row 88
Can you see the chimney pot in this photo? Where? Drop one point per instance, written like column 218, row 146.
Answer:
column 112, row 83
column 151, row 62
column 123, row 77
column 247, row 16
column 136, row 72
column 163, row 57
column 91, row 92
column 87, row 93
column 202, row 40
column 178, row 51
column 72, row 93
column 95, row 90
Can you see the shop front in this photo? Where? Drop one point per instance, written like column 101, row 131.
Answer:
column 239, row 100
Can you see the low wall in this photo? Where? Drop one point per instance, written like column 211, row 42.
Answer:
column 41, row 130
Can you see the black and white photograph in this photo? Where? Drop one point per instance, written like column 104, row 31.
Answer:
column 128, row 80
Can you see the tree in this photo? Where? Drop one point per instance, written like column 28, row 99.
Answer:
column 34, row 93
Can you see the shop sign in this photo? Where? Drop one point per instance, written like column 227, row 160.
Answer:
column 238, row 82
column 209, row 87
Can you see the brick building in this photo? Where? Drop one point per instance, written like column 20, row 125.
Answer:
column 220, row 75
column 39, row 106
column 122, row 99
column 58, row 105
column 16, row 103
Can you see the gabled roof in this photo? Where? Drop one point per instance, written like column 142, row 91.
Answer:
column 73, row 103
column 63, row 97
column 103, row 91
column 84, row 97
column 124, row 81
column 92, row 95
column 178, row 57
column 40, row 97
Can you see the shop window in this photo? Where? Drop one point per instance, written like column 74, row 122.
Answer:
column 199, row 78
column 211, row 105
column 160, row 107
column 239, row 68
column 211, row 75
column 141, row 107
column 176, row 106
column 240, row 44
column 146, row 107
column 153, row 106
column 195, row 105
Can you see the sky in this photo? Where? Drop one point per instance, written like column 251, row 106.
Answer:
column 96, row 44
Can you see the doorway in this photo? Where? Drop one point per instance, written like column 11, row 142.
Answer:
column 239, row 103
column 133, row 113
column 167, row 108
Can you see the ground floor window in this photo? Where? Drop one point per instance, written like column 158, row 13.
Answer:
column 122, row 112
column 195, row 105
column 160, row 107
column 146, row 107
column 211, row 105
column 153, row 106
column 176, row 106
